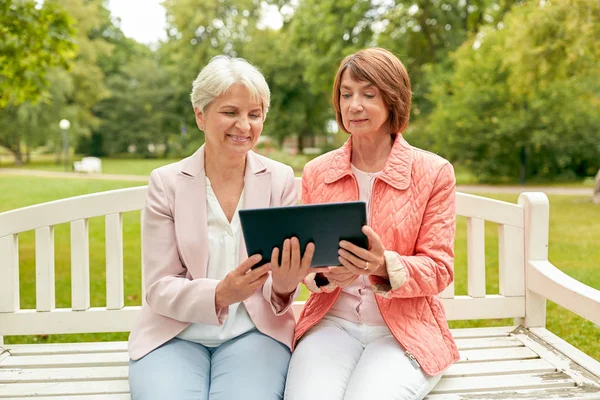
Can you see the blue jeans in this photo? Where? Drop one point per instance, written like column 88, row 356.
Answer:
column 251, row 366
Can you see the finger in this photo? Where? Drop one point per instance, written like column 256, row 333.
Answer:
column 351, row 267
column 275, row 258
column 375, row 243
column 295, row 253
column 318, row 270
column 285, row 255
column 309, row 251
column 356, row 250
column 255, row 284
column 359, row 262
column 245, row 266
column 339, row 273
column 257, row 272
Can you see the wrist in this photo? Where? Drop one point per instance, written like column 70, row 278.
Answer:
column 282, row 292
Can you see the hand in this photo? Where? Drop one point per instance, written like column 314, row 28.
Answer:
column 240, row 283
column 340, row 276
column 294, row 267
column 361, row 261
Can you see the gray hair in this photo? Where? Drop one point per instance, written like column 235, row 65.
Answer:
column 222, row 72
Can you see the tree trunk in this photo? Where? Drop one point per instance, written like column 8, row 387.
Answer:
column 523, row 165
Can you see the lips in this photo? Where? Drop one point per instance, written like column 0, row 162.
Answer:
column 239, row 139
column 358, row 121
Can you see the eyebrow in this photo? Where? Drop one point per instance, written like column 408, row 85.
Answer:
column 365, row 86
column 259, row 108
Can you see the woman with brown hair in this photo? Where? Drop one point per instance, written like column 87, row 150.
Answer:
column 374, row 327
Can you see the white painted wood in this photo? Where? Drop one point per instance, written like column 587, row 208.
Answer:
column 500, row 212
column 569, row 393
column 514, row 353
column 80, row 265
column 63, row 320
column 554, row 357
column 298, row 181
column 66, row 348
column 476, row 257
column 491, row 306
column 495, row 331
column 506, row 383
column 509, row 367
column 9, row 274
column 115, row 295
column 536, row 208
column 511, row 257
column 64, row 388
column 44, row 269
column 113, row 396
column 71, row 209
column 67, row 361
column 448, row 293
column 88, row 373
column 487, row 343
column 587, row 362
column 553, row 284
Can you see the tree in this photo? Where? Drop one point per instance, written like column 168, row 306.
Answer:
column 523, row 99
column 32, row 39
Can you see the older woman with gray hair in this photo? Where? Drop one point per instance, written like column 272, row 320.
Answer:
column 212, row 326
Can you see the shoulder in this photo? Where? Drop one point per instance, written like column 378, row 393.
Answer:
column 321, row 163
column 424, row 160
column 278, row 169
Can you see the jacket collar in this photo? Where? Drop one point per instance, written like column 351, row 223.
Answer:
column 396, row 172
column 194, row 165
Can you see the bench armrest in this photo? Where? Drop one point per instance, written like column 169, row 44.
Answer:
column 553, row 284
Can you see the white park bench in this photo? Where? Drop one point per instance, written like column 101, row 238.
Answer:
column 88, row 164
column 522, row 361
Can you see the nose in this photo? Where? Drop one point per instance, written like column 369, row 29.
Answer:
column 243, row 124
column 355, row 104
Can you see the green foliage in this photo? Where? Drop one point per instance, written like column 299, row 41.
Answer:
column 32, row 40
column 523, row 98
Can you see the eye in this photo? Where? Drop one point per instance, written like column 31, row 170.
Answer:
column 369, row 95
column 255, row 115
column 346, row 95
column 228, row 113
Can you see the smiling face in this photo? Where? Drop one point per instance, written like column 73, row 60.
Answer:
column 232, row 123
column 362, row 107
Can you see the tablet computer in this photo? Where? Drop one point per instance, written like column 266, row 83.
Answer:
column 323, row 224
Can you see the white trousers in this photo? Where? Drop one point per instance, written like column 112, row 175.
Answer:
column 341, row 360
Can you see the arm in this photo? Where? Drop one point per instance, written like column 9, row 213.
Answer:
column 429, row 271
column 280, row 303
column 168, row 291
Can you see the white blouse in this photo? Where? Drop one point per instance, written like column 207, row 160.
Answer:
column 224, row 240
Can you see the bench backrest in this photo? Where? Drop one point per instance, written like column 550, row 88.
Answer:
column 513, row 221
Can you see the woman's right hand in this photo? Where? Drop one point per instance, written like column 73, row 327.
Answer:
column 240, row 283
column 340, row 276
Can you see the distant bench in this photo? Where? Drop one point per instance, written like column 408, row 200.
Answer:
column 521, row 361
column 88, row 164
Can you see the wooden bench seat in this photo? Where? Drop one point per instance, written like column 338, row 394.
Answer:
column 504, row 362
column 524, row 361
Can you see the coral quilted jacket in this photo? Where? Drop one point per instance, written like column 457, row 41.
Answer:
column 413, row 211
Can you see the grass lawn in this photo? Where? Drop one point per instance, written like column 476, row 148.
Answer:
column 574, row 232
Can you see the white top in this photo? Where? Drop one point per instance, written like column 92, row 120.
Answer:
column 224, row 240
column 356, row 302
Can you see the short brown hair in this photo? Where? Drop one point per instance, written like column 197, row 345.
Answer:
column 384, row 70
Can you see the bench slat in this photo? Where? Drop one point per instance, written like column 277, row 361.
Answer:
column 115, row 297
column 64, row 388
column 80, row 265
column 67, row 360
column 571, row 393
column 114, row 396
column 511, row 256
column 476, row 257
column 513, row 353
column 499, row 368
column 9, row 273
column 503, row 383
column 44, row 269
column 63, row 374
column 492, row 331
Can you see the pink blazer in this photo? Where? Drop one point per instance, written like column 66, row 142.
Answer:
column 175, row 252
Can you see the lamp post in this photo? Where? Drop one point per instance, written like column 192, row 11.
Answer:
column 64, row 125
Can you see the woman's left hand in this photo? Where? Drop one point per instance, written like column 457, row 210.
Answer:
column 362, row 261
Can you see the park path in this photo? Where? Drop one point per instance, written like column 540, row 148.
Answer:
column 551, row 190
